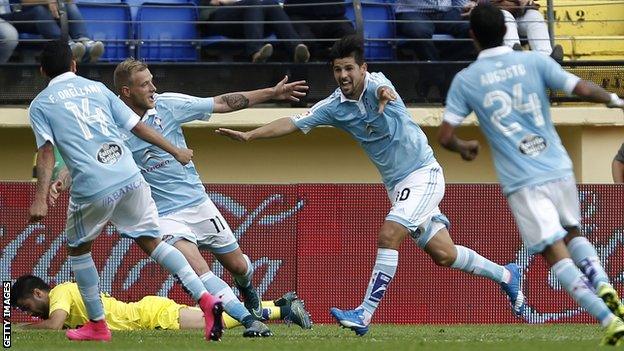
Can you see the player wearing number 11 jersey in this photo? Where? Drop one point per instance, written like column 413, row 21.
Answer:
column 82, row 118
column 507, row 91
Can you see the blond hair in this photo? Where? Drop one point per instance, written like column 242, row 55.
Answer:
column 124, row 71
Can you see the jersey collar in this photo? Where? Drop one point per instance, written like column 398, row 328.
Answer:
column 62, row 77
column 499, row 50
column 344, row 98
column 148, row 113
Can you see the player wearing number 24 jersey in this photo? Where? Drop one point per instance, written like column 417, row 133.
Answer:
column 507, row 91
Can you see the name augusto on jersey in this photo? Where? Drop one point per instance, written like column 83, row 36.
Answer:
column 503, row 74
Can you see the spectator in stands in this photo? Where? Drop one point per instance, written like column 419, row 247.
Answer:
column 8, row 39
column 522, row 18
column 617, row 167
column 44, row 21
column 254, row 13
column 321, row 25
column 420, row 19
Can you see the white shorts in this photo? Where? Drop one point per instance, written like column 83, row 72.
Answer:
column 415, row 203
column 543, row 212
column 202, row 225
column 131, row 209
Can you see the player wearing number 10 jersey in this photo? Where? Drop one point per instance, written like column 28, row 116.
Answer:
column 507, row 91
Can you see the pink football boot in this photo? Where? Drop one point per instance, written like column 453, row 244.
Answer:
column 213, row 309
column 91, row 331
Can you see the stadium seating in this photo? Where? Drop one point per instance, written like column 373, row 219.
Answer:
column 110, row 23
column 379, row 29
column 167, row 32
column 590, row 29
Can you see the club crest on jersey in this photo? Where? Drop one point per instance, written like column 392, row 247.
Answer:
column 532, row 145
column 109, row 153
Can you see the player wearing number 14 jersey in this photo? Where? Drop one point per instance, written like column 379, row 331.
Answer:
column 507, row 91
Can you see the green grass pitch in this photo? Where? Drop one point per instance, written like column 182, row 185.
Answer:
column 382, row 337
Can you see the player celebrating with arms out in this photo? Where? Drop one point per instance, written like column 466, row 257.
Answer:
column 367, row 106
column 507, row 91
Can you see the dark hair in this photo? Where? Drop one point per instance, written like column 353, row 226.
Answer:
column 56, row 58
column 488, row 26
column 349, row 46
column 24, row 286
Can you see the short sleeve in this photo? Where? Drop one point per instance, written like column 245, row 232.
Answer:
column 456, row 105
column 315, row 116
column 60, row 299
column 186, row 108
column 620, row 154
column 40, row 125
column 555, row 77
column 123, row 115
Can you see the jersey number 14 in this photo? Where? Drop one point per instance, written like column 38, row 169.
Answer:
column 86, row 119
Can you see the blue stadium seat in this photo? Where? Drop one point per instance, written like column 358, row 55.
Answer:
column 167, row 32
column 379, row 29
column 136, row 4
column 109, row 22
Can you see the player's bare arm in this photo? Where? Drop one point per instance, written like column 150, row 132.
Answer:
column 55, row 321
column 148, row 134
column 274, row 129
column 45, row 165
column 240, row 100
column 468, row 149
column 593, row 93
column 385, row 94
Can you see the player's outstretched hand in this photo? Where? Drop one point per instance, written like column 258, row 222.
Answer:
column 184, row 156
column 469, row 150
column 290, row 91
column 38, row 211
column 233, row 134
column 385, row 96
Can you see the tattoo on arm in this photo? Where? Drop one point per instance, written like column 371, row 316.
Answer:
column 236, row 101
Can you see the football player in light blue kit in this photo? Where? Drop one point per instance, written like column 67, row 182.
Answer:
column 81, row 118
column 367, row 106
column 188, row 218
column 507, row 91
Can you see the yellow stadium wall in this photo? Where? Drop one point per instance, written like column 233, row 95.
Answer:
column 591, row 135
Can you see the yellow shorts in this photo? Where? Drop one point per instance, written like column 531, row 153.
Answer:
column 159, row 313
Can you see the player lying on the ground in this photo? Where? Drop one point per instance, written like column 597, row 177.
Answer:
column 62, row 306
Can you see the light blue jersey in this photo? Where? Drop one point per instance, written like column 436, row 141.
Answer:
column 507, row 91
column 174, row 186
column 81, row 117
column 393, row 142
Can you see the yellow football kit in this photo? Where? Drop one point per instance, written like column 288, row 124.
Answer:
column 151, row 312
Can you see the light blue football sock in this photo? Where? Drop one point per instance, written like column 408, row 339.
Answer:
column 383, row 272
column 172, row 260
column 470, row 261
column 88, row 281
column 217, row 287
column 577, row 285
column 245, row 279
column 586, row 258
